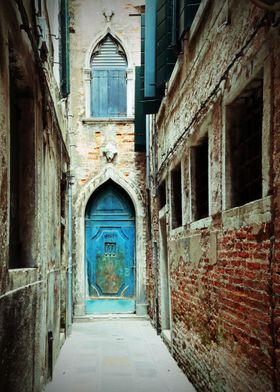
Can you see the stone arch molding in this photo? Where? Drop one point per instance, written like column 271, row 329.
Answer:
column 129, row 70
column 98, row 39
column 108, row 173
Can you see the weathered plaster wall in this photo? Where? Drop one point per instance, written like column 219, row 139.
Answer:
column 31, row 296
column 275, row 170
column 90, row 138
column 224, row 269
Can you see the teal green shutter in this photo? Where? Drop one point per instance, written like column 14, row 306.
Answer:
column 150, row 103
column 186, row 12
column 166, row 56
column 64, row 49
column 140, row 118
column 150, row 49
column 141, row 69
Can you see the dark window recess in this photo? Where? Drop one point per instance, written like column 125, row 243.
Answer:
column 244, row 121
column 162, row 194
column 186, row 11
column 176, row 197
column 63, row 204
column 14, row 243
column 200, row 180
column 22, row 169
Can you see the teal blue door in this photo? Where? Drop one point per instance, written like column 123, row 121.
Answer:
column 110, row 252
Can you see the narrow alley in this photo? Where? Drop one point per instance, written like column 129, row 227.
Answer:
column 116, row 354
column 140, row 191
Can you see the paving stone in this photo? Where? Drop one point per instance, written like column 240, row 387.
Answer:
column 116, row 356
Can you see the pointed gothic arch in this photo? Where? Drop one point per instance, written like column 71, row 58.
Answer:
column 109, row 173
column 108, row 79
column 121, row 79
column 95, row 42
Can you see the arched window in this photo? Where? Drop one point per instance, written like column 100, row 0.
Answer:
column 108, row 82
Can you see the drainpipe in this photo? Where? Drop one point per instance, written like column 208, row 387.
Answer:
column 155, row 246
column 155, row 263
column 69, row 267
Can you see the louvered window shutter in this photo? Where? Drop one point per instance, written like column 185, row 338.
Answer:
column 108, row 85
column 150, row 102
column 186, row 13
column 166, row 57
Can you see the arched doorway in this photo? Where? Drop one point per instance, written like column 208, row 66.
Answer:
column 110, row 251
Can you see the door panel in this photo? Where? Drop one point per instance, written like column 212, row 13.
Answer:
column 110, row 251
column 110, row 261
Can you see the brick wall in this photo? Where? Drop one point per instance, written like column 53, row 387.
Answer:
column 276, row 204
column 224, row 269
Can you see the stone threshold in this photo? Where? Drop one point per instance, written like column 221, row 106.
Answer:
column 102, row 317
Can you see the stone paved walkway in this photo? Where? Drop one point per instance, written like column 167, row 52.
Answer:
column 116, row 355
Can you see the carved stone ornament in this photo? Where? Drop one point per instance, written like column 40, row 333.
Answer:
column 110, row 152
column 108, row 14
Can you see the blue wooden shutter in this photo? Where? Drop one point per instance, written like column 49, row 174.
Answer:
column 108, row 85
column 99, row 86
column 116, row 93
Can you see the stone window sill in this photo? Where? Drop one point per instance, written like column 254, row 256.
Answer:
column 201, row 223
column 177, row 230
column 22, row 270
column 95, row 120
column 253, row 213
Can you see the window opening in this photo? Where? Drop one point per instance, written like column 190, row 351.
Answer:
column 63, row 204
column 244, row 120
column 200, row 194
column 162, row 194
column 108, row 83
column 22, row 168
column 176, row 197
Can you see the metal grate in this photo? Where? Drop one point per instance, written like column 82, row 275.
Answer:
column 110, row 248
